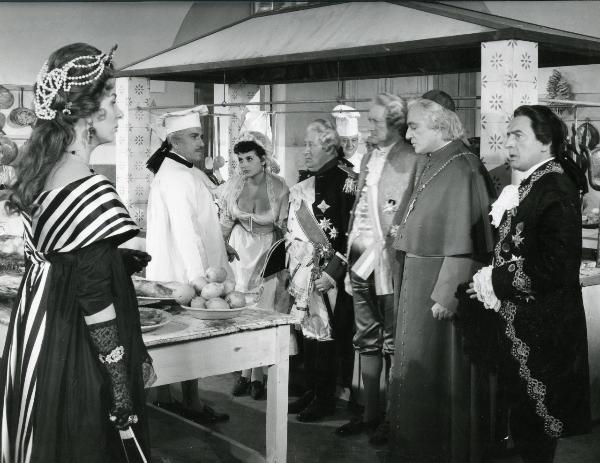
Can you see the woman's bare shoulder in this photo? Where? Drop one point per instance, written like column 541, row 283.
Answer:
column 66, row 173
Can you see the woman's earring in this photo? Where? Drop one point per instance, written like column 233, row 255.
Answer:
column 91, row 131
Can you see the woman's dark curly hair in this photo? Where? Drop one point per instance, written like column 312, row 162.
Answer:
column 246, row 146
column 50, row 138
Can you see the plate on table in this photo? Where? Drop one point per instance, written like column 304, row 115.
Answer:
column 147, row 300
column 213, row 314
column 152, row 319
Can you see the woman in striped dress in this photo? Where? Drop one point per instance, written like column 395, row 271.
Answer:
column 72, row 373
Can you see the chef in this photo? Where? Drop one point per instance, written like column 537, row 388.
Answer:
column 183, row 235
column 346, row 125
column 183, row 232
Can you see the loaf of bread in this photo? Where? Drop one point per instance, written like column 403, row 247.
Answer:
column 9, row 285
column 149, row 288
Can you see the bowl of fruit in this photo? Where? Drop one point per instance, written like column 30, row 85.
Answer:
column 216, row 297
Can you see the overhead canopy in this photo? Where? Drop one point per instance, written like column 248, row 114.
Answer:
column 355, row 40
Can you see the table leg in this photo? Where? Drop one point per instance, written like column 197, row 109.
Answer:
column 277, row 398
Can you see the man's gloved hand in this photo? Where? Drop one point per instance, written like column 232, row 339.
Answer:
column 134, row 260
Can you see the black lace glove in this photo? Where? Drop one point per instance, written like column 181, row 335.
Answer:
column 112, row 355
column 134, row 260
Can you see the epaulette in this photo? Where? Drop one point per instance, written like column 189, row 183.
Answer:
column 350, row 185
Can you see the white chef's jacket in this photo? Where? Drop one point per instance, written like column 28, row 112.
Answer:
column 183, row 231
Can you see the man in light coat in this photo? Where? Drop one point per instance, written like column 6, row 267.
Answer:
column 387, row 175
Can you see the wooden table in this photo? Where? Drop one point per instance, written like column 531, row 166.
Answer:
column 188, row 348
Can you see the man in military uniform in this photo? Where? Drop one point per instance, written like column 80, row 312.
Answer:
column 320, row 207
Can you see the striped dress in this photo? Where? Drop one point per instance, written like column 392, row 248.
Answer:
column 55, row 393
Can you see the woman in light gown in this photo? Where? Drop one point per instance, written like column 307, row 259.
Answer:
column 254, row 209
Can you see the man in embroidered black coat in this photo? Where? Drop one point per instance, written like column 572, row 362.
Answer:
column 535, row 278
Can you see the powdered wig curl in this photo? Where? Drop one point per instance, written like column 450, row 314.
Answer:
column 396, row 110
column 440, row 119
column 327, row 137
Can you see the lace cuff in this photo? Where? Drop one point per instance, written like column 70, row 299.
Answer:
column 105, row 338
column 482, row 284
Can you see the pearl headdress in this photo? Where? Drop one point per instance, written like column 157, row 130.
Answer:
column 50, row 83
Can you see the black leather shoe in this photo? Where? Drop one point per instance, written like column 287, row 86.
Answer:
column 356, row 426
column 381, row 436
column 316, row 411
column 173, row 407
column 257, row 390
column 207, row 415
column 241, row 387
column 300, row 404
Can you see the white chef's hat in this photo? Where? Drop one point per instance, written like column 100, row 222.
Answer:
column 180, row 120
column 257, row 121
column 346, row 122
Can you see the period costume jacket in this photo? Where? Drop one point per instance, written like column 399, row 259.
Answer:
column 384, row 191
column 184, row 235
column 317, row 239
column 535, row 276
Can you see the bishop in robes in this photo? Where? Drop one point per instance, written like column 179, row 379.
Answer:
column 183, row 231
column 443, row 239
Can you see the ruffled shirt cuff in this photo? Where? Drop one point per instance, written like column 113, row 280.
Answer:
column 482, row 284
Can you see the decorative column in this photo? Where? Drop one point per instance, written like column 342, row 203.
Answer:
column 509, row 78
column 230, row 126
column 133, row 146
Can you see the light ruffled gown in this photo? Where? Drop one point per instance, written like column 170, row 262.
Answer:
column 252, row 235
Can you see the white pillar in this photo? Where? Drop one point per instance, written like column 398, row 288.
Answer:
column 278, row 93
column 230, row 125
column 509, row 79
column 133, row 146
